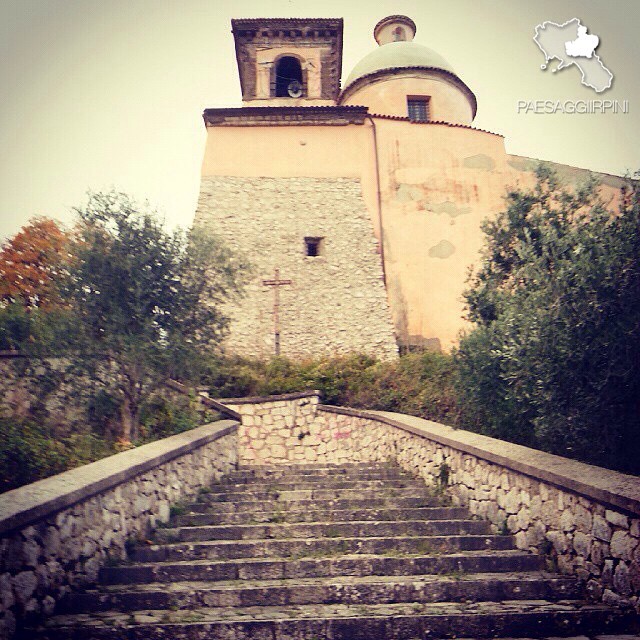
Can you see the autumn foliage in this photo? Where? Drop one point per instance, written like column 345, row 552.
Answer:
column 32, row 262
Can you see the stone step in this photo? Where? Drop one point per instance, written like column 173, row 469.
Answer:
column 322, row 530
column 346, row 590
column 303, row 485
column 238, row 477
column 252, row 506
column 324, row 468
column 267, row 493
column 335, row 567
column 403, row 621
column 331, row 515
column 306, row 552
column 295, row 547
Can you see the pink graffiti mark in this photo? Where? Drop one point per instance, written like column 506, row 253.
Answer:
column 341, row 435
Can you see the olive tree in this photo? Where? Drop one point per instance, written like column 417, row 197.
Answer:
column 148, row 302
column 553, row 358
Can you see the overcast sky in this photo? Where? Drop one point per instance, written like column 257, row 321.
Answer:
column 110, row 93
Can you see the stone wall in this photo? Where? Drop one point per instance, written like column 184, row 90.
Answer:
column 337, row 301
column 42, row 389
column 56, row 533
column 47, row 391
column 585, row 518
column 278, row 429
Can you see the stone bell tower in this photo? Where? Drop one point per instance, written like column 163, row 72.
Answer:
column 288, row 62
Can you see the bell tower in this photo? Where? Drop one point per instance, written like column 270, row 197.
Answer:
column 289, row 61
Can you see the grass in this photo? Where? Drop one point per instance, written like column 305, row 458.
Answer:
column 423, row 548
column 454, row 574
column 278, row 517
column 177, row 509
column 341, row 549
column 192, row 617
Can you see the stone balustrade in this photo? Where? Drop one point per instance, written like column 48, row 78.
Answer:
column 55, row 534
column 586, row 519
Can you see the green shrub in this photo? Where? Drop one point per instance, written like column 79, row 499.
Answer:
column 420, row 384
column 29, row 452
column 15, row 326
column 161, row 418
column 103, row 410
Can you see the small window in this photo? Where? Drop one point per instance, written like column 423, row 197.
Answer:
column 399, row 34
column 314, row 247
column 418, row 109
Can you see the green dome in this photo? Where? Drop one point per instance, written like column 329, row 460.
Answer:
column 395, row 55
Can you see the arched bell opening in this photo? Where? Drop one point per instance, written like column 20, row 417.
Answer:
column 288, row 81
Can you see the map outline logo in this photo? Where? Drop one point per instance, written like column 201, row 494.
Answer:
column 571, row 44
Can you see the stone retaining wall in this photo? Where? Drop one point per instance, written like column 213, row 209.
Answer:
column 585, row 518
column 277, row 429
column 56, row 533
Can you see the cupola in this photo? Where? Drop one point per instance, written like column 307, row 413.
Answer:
column 405, row 79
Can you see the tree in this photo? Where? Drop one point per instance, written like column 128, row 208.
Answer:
column 553, row 360
column 148, row 301
column 32, row 262
column 33, row 316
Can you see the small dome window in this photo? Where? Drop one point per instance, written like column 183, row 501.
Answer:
column 418, row 108
column 288, row 80
column 399, row 35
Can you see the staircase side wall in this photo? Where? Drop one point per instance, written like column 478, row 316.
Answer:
column 586, row 519
column 55, row 534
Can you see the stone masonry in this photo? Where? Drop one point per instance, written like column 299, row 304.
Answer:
column 278, row 429
column 55, row 534
column 337, row 301
column 318, row 552
column 584, row 518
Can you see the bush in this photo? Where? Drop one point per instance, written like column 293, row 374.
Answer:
column 15, row 326
column 161, row 418
column 28, row 452
column 420, row 384
column 31, row 451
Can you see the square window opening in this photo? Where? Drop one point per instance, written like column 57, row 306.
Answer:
column 314, row 247
column 418, row 108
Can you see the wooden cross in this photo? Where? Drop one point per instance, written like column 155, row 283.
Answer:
column 276, row 283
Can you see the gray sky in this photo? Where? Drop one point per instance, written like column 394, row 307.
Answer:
column 100, row 94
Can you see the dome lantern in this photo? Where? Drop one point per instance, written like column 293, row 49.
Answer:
column 401, row 78
column 394, row 29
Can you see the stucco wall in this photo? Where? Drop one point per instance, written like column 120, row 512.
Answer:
column 336, row 302
column 287, row 151
column 437, row 183
column 387, row 95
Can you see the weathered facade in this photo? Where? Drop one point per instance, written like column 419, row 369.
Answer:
column 400, row 132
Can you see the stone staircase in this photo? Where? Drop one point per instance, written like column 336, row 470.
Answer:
column 314, row 552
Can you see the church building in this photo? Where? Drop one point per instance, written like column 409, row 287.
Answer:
column 358, row 201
